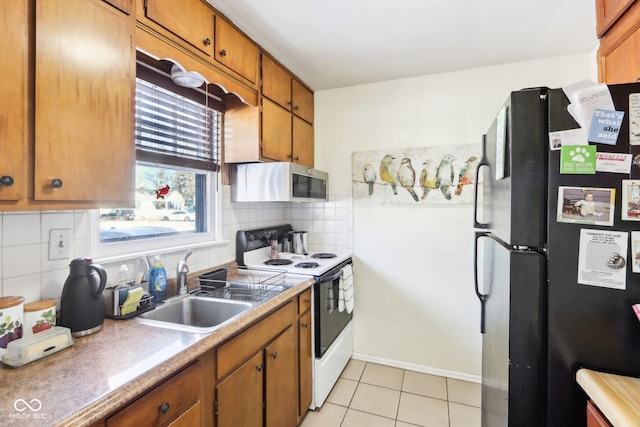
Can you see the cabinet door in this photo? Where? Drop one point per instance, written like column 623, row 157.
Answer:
column 189, row 418
column 594, row 417
column 619, row 47
column 305, row 367
column 236, row 51
column 124, row 5
column 302, row 101
column 276, row 83
column 276, row 132
column 85, row 76
column 607, row 12
column 13, row 93
column 191, row 20
column 281, row 407
column 303, row 142
column 239, row 396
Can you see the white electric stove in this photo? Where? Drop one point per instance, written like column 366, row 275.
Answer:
column 332, row 332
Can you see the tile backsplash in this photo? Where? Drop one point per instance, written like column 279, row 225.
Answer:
column 26, row 270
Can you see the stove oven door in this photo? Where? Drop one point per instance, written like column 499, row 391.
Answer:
column 329, row 321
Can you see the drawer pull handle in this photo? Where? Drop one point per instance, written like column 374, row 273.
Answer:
column 164, row 408
column 275, row 355
column 305, row 325
column 206, row 42
column 223, row 52
column 259, row 367
column 56, row 183
column 6, row 181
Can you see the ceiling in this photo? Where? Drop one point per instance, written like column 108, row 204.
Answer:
column 337, row 43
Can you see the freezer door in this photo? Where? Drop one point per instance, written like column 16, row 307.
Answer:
column 511, row 289
column 515, row 175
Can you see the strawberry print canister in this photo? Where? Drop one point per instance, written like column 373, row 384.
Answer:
column 39, row 316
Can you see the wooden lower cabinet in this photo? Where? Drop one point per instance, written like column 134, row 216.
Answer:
column 594, row 417
column 175, row 401
column 257, row 377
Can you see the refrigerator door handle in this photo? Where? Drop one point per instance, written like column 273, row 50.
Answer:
column 483, row 162
column 482, row 297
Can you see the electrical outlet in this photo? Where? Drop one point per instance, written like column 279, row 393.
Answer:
column 59, row 243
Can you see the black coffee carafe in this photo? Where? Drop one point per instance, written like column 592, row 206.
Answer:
column 82, row 301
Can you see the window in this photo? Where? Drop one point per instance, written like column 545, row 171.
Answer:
column 177, row 174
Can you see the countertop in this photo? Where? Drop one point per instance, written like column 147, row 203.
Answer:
column 103, row 371
column 616, row 396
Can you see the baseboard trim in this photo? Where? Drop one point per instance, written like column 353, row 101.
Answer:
column 419, row 368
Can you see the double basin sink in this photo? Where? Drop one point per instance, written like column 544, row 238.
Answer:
column 205, row 312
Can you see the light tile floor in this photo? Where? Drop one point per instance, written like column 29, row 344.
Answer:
column 373, row 395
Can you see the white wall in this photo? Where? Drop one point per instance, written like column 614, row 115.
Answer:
column 415, row 304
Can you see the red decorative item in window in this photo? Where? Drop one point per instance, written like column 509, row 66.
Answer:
column 161, row 192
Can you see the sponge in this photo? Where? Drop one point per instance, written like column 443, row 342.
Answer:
column 131, row 303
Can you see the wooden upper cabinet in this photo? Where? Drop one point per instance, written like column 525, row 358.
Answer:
column 276, row 132
column 236, row 51
column 620, row 47
column 13, row 107
column 191, row 20
column 608, row 11
column 124, row 5
column 84, row 102
column 276, row 82
column 282, row 88
column 302, row 142
column 302, row 101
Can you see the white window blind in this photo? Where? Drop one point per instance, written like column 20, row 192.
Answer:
column 175, row 130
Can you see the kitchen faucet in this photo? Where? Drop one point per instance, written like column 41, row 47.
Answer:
column 181, row 274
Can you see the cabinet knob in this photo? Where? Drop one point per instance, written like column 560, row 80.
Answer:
column 6, row 181
column 206, row 41
column 259, row 367
column 275, row 355
column 223, row 52
column 164, row 408
column 289, row 103
column 307, row 301
column 56, row 183
column 305, row 325
column 290, row 156
column 297, row 107
column 296, row 158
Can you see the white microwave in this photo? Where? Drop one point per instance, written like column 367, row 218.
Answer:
column 277, row 182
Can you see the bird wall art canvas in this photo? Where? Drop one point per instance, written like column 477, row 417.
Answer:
column 416, row 176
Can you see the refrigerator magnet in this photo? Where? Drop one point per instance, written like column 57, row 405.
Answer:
column 601, row 259
column 605, row 126
column 630, row 200
column 635, row 251
column 634, row 119
column 584, row 205
column 578, row 160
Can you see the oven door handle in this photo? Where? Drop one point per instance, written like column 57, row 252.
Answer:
column 331, row 278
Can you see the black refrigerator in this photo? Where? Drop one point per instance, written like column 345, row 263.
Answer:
column 539, row 324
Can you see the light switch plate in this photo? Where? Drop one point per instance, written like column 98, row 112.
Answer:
column 59, row 243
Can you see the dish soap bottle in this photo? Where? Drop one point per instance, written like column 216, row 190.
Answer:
column 158, row 280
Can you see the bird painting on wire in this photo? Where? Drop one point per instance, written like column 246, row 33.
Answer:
column 407, row 177
column 369, row 174
column 428, row 177
column 388, row 172
column 445, row 175
column 467, row 173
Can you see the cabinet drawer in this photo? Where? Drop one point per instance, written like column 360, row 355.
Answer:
column 304, row 301
column 242, row 347
column 173, row 397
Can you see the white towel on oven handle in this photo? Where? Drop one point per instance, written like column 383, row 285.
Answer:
column 345, row 290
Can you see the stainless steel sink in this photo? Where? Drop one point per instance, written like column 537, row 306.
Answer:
column 195, row 314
